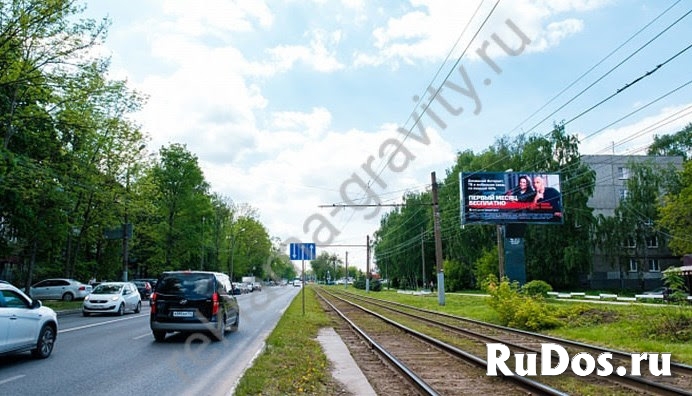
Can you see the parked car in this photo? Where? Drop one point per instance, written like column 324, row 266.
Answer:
column 59, row 289
column 152, row 282
column 114, row 298
column 192, row 301
column 257, row 286
column 660, row 291
column 144, row 288
column 30, row 325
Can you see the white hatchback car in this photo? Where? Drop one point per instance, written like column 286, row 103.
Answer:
column 113, row 297
column 31, row 326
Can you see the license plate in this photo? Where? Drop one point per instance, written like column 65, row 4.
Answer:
column 183, row 314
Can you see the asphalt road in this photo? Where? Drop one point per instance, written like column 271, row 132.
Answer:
column 113, row 355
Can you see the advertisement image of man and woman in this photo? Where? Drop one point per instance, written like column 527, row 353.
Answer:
column 511, row 197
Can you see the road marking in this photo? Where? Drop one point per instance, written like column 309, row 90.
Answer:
column 16, row 377
column 100, row 323
column 142, row 336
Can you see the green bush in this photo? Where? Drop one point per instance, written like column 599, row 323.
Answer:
column 675, row 326
column 375, row 284
column 537, row 288
column 516, row 309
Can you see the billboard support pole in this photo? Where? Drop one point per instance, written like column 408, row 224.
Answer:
column 438, row 243
column 501, row 250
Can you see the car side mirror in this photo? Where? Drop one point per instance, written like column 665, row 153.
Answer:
column 36, row 304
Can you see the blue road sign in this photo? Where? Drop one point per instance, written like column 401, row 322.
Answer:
column 302, row 251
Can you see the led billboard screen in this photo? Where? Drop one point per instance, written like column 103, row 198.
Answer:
column 510, row 197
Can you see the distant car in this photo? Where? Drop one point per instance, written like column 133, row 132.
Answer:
column 193, row 301
column 114, row 298
column 59, row 289
column 152, row 282
column 257, row 286
column 29, row 325
column 297, row 283
column 144, row 288
column 237, row 289
column 660, row 291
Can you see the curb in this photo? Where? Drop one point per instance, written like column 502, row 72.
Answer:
column 66, row 312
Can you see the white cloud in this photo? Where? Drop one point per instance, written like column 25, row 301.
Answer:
column 319, row 54
column 635, row 138
column 428, row 31
column 225, row 79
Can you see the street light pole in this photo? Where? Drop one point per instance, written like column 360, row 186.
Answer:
column 230, row 266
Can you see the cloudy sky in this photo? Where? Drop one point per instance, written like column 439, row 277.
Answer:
column 292, row 105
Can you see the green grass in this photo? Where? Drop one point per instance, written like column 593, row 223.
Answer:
column 630, row 327
column 62, row 305
column 293, row 361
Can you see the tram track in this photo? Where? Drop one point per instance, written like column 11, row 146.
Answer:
column 472, row 337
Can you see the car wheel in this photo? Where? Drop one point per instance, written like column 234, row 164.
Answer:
column 237, row 323
column 45, row 343
column 220, row 328
column 121, row 310
column 159, row 335
column 68, row 297
column 139, row 307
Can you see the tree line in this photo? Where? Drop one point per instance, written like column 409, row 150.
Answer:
column 658, row 203
column 81, row 195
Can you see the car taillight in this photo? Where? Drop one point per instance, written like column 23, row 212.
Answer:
column 214, row 303
column 153, row 304
column 82, row 288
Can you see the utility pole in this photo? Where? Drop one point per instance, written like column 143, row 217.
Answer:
column 346, row 277
column 501, row 249
column 438, row 243
column 367, row 264
column 201, row 256
column 422, row 254
column 126, row 200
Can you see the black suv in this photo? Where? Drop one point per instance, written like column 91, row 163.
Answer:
column 192, row 301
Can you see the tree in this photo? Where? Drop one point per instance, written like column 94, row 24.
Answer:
column 676, row 214
column 182, row 201
column 679, row 143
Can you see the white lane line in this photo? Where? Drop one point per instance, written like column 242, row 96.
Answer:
column 16, row 377
column 100, row 323
column 142, row 336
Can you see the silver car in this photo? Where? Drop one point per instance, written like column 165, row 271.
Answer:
column 60, row 289
column 114, row 298
column 30, row 326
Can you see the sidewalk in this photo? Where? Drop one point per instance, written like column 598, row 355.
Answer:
column 345, row 369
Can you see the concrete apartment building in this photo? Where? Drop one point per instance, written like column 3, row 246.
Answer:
column 640, row 268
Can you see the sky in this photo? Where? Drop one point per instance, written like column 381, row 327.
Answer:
column 306, row 109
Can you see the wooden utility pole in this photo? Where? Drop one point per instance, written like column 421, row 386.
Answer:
column 346, row 277
column 367, row 264
column 438, row 243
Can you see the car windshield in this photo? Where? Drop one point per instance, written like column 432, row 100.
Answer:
column 107, row 289
column 186, row 284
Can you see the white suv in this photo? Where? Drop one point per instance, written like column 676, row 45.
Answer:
column 32, row 327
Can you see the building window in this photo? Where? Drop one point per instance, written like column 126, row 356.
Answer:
column 652, row 241
column 630, row 242
column 623, row 193
column 633, row 265
column 654, row 266
column 623, row 173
